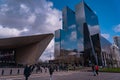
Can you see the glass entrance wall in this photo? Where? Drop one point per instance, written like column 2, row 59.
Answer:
column 7, row 57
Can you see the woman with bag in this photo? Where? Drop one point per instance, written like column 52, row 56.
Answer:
column 96, row 69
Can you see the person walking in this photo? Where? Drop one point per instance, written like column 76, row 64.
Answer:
column 51, row 70
column 93, row 70
column 27, row 71
column 96, row 69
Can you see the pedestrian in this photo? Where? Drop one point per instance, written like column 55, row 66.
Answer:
column 18, row 71
column 27, row 71
column 51, row 70
column 93, row 70
column 41, row 69
column 2, row 72
column 45, row 69
column 10, row 71
column 96, row 69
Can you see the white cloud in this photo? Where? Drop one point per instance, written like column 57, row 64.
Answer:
column 7, row 32
column 24, row 8
column 117, row 28
column 4, row 8
column 49, row 52
column 39, row 14
column 107, row 36
column 80, row 47
column 94, row 29
column 73, row 36
column 23, row 17
column 72, row 26
column 32, row 18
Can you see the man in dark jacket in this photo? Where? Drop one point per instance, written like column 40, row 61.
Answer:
column 28, row 70
column 51, row 70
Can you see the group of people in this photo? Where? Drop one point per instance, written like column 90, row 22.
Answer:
column 29, row 69
column 95, row 69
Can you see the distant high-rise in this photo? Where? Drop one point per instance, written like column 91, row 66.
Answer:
column 117, row 41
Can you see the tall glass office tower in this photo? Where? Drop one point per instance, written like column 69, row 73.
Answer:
column 88, row 33
column 66, row 39
column 80, row 34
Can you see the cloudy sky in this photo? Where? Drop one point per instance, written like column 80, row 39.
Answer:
column 27, row 17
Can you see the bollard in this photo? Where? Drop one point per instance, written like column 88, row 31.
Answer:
column 2, row 72
column 18, row 71
column 11, row 72
column 45, row 70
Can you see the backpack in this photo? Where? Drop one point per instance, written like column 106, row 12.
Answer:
column 96, row 67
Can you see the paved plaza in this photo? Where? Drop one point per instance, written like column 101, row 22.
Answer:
column 68, row 75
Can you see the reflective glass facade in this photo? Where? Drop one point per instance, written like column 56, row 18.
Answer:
column 57, row 43
column 68, row 16
column 84, row 15
column 66, row 39
column 80, row 34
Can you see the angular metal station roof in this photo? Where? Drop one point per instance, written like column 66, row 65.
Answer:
column 28, row 49
column 15, row 42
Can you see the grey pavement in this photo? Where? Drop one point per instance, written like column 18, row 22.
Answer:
column 70, row 75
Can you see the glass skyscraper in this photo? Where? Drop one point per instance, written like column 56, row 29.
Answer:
column 80, row 35
column 87, row 29
column 66, row 36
